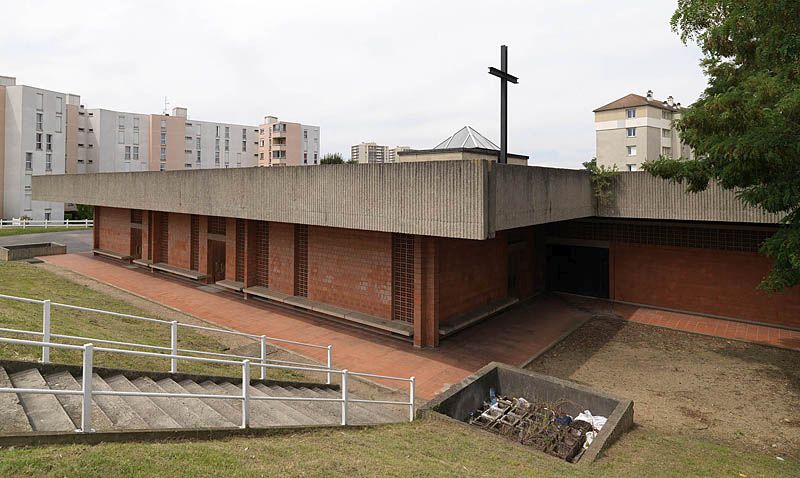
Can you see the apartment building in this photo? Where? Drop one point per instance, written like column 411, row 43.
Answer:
column 33, row 141
column 282, row 143
column 375, row 153
column 634, row 129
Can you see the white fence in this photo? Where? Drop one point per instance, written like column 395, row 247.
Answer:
column 176, row 354
column 173, row 331
column 46, row 223
column 87, row 390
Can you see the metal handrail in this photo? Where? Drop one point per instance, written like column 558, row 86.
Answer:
column 174, row 325
column 87, row 391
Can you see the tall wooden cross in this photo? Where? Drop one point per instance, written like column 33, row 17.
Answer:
column 502, row 73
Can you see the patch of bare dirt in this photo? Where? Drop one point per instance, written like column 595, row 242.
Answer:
column 734, row 392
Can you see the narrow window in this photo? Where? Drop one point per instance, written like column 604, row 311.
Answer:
column 631, row 132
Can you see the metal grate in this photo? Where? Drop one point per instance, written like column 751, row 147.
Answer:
column 262, row 254
column 195, row 242
column 136, row 216
column 216, row 225
column 163, row 237
column 677, row 235
column 301, row 260
column 240, row 235
column 403, row 277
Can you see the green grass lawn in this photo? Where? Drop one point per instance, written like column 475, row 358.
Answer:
column 427, row 447
column 26, row 280
column 15, row 231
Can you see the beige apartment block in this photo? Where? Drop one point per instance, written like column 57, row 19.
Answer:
column 635, row 129
column 282, row 143
column 464, row 144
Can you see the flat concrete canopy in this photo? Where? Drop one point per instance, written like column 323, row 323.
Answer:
column 470, row 199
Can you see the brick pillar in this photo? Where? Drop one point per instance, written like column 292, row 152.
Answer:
column 202, row 246
column 145, row 234
column 96, row 228
column 426, row 291
column 230, row 248
column 250, row 229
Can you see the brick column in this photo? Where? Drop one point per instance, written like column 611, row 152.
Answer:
column 250, row 230
column 230, row 248
column 202, row 246
column 426, row 291
column 96, row 228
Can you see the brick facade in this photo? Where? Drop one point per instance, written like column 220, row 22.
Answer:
column 113, row 230
column 351, row 269
column 281, row 257
column 179, row 237
column 471, row 274
column 700, row 280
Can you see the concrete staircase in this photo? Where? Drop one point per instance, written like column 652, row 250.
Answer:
column 21, row 413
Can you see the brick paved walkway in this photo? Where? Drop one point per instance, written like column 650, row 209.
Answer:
column 727, row 329
column 512, row 337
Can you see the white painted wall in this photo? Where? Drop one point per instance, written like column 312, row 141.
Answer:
column 20, row 135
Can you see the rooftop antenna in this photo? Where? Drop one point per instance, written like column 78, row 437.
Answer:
column 166, row 106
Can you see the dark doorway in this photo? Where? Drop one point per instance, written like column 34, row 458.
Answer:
column 136, row 242
column 216, row 260
column 578, row 270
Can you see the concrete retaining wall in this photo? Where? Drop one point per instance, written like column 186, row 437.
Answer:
column 19, row 252
column 466, row 397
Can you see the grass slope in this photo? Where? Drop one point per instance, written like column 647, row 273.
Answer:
column 425, row 448
column 26, row 280
column 16, row 231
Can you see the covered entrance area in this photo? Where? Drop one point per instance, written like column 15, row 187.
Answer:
column 578, row 269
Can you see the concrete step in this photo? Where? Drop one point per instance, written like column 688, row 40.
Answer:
column 147, row 410
column 44, row 412
column 276, row 413
column 12, row 415
column 230, row 409
column 322, row 413
column 73, row 404
column 117, row 409
column 369, row 413
column 181, row 410
column 209, row 416
column 358, row 414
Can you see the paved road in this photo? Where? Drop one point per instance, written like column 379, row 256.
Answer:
column 76, row 241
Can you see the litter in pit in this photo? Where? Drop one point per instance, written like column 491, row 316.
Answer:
column 540, row 425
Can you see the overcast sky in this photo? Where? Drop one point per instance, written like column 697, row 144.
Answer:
column 406, row 72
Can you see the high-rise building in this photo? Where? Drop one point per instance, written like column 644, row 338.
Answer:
column 33, row 140
column 44, row 132
column 282, row 143
column 634, row 129
column 375, row 153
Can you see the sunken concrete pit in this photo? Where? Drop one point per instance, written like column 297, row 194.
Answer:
column 19, row 252
column 461, row 400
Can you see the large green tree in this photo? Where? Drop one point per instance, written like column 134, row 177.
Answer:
column 745, row 128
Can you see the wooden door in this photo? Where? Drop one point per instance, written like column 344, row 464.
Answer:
column 136, row 243
column 216, row 260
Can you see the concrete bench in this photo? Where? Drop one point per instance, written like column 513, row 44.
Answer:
column 231, row 284
column 179, row 271
column 461, row 322
column 143, row 262
column 112, row 255
column 392, row 326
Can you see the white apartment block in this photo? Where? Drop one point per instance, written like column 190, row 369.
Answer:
column 33, row 141
column 635, row 129
column 282, row 143
column 375, row 153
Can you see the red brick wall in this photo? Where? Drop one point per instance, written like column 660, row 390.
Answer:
column 114, row 230
column 350, row 269
column 230, row 249
column 180, row 240
column 281, row 257
column 700, row 280
column 471, row 274
column 145, row 234
column 203, row 246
